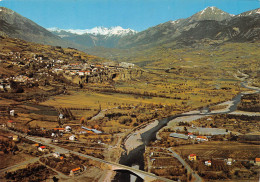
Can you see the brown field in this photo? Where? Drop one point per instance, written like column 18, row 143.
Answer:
column 220, row 149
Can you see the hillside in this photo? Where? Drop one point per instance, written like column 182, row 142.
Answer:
column 28, row 50
column 95, row 37
column 210, row 23
column 16, row 26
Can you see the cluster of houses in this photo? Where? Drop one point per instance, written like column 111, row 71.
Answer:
column 80, row 69
column 228, row 161
column 42, row 65
column 85, row 69
column 59, row 132
column 189, row 136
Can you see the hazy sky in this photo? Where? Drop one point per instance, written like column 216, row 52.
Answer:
column 134, row 14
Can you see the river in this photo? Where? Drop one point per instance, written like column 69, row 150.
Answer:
column 135, row 157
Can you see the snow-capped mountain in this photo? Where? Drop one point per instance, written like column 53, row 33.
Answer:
column 251, row 13
column 97, row 31
column 209, row 24
column 211, row 13
column 98, row 36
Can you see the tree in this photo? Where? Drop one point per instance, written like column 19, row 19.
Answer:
column 55, row 179
column 15, row 87
column 82, row 120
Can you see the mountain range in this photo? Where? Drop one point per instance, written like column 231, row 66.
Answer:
column 98, row 36
column 210, row 24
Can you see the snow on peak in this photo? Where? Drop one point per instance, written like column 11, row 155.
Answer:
column 175, row 22
column 54, row 29
column 212, row 8
column 97, row 31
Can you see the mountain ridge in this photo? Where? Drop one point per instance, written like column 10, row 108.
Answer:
column 100, row 30
column 97, row 36
column 15, row 25
column 211, row 23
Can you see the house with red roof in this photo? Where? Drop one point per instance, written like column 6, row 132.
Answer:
column 42, row 148
column 208, row 163
column 192, row 157
column 257, row 161
column 10, row 123
column 75, row 171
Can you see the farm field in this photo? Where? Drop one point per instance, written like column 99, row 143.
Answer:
column 250, row 103
column 220, row 149
column 242, row 124
column 218, row 152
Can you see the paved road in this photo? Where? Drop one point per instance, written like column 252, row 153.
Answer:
column 112, row 164
column 186, row 165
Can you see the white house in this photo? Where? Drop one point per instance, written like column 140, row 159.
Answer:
column 72, row 138
column 42, row 148
column 190, row 135
column 61, row 116
column 68, row 129
column 81, row 73
column 208, row 163
column 229, row 161
column 12, row 113
column 56, row 154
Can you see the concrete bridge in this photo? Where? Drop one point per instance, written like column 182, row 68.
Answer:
column 147, row 177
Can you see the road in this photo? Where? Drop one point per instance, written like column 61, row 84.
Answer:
column 186, row 165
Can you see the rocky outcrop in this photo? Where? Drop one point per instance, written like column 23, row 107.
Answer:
column 115, row 75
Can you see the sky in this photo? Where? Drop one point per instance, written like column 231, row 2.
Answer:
column 135, row 14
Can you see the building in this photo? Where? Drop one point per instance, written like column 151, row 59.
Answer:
column 257, row 161
column 36, row 145
column 61, row 116
column 16, row 138
column 81, row 73
column 56, row 155
column 12, row 113
column 59, row 129
column 229, row 161
column 55, row 141
column 42, row 148
column 208, row 163
column 75, row 171
column 192, row 157
column 72, row 138
column 178, row 135
column 68, row 129
column 92, row 130
column 202, row 138
column 190, row 135
column 10, row 123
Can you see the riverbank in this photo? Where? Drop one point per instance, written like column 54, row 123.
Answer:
column 134, row 140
